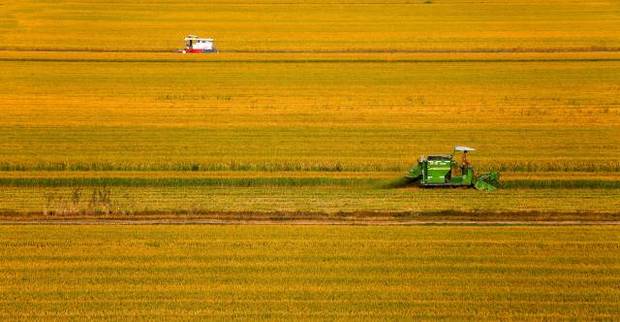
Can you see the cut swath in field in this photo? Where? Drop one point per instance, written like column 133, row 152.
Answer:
column 377, row 180
column 329, row 199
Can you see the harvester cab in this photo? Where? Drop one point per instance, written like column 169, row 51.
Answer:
column 442, row 170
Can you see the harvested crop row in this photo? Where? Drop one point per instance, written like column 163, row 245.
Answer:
column 387, row 56
column 330, row 199
column 284, row 181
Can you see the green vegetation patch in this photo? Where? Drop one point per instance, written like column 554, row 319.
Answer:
column 290, row 181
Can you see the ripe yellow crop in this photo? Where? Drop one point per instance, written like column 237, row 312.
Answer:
column 312, row 26
column 378, row 116
column 311, row 113
column 306, row 272
column 304, row 94
column 589, row 198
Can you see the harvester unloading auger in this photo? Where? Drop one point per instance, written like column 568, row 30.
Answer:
column 441, row 170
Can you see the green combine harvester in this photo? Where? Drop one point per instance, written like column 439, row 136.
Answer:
column 442, row 170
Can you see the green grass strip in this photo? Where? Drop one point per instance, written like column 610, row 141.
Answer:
column 289, row 182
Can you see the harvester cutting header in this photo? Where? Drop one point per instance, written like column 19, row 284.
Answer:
column 442, row 170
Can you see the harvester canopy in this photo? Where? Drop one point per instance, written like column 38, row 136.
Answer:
column 461, row 148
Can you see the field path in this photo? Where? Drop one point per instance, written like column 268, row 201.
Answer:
column 309, row 222
column 315, row 218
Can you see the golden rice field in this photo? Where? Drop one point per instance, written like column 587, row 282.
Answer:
column 310, row 113
column 308, row 106
column 309, row 273
column 311, row 25
column 163, row 116
column 131, row 193
column 331, row 199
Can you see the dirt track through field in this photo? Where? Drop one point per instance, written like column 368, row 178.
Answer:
column 314, row 218
column 309, row 222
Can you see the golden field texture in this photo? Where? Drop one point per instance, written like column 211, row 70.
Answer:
column 310, row 273
column 131, row 193
column 288, row 116
column 589, row 202
column 311, row 113
column 311, row 25
column 349, row 92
